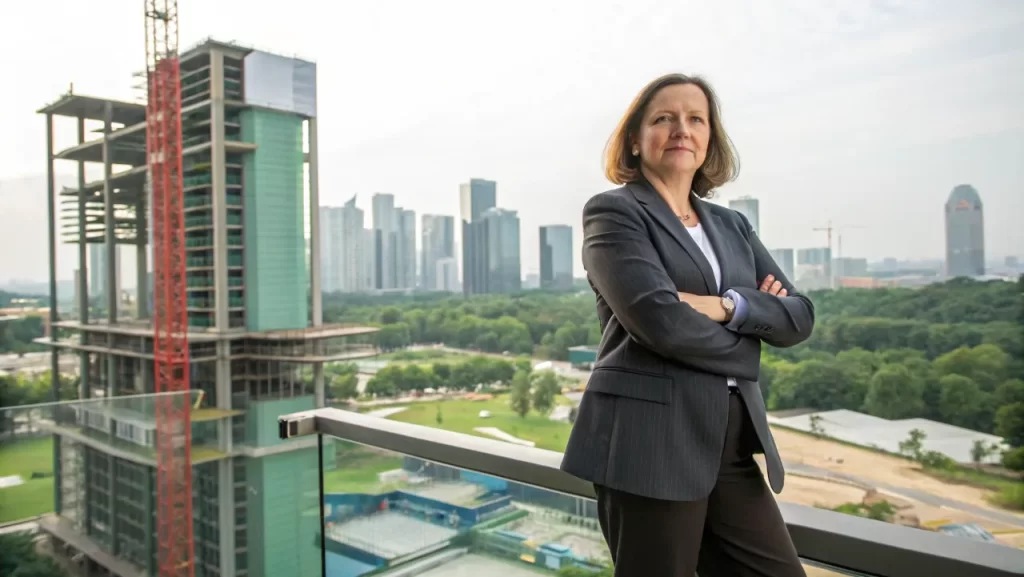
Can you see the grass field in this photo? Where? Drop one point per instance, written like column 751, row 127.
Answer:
column 357, row 472
column 463, row 417
column 34, row 496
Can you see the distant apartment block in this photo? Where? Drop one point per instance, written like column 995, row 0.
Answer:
column 438, row 256
column 784, row 258
column 342, row 249
column 395, row 244
column 501, row 231
column 556, row 257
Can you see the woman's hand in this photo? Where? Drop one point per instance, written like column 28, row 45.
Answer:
column 772, row 287
column 709, row 306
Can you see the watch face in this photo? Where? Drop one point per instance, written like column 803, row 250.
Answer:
column 728, row 305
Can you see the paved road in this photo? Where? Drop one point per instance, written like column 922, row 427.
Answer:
column 927, row 498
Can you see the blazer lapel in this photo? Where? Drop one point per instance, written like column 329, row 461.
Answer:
column 663, row 215
column 720, row 240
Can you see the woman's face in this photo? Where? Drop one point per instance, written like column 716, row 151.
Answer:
column 674, row 131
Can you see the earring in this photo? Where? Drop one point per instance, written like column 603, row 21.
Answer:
column 636, row 152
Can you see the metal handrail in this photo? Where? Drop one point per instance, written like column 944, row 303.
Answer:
column 836, row 540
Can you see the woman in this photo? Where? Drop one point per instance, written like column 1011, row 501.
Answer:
column 686, row 293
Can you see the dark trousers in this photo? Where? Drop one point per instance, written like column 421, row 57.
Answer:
column 736, row 531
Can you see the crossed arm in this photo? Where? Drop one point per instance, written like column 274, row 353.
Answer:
column 774, row 312
column 628, row 273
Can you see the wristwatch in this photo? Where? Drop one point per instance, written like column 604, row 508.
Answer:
column 730, row 308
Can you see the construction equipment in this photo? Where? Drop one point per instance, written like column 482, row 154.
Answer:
column 829, row 229
column 175, row 555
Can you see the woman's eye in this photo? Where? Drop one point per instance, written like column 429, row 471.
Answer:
column 698, row 119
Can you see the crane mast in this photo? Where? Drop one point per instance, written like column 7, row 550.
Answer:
column 175, row 551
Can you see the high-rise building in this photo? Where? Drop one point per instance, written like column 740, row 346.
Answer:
column 750, row 208
column 256, row 341
column 814, row 268
column 501, row 229
column 556, row 257
column 475, row 197
column 395, row 245
column 385, row 223
column 406, row 249
column 341, row 247
column 965, row 233
column 438, row 244
column 784, row 258
column 98, row 271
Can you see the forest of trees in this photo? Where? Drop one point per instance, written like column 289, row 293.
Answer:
column 952, row 352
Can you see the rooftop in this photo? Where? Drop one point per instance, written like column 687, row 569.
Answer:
column 92, row 108
column 869, row 431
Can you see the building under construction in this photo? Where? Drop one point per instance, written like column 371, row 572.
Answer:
column 256, row 342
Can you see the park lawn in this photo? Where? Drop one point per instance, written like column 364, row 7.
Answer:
column 357, row 471
column 462, row 416
column 34, row 496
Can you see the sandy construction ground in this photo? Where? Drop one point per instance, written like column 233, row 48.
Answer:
column 801, row 448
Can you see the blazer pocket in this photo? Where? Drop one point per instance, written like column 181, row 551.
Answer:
column 631, row 384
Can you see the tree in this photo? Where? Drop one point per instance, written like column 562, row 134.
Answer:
column 545, row 388
column 893, row 393
column 981, row 450
column 1010, row 424
column 18, row 558
column 519, row 395
column 914, row 445
column 816, row 429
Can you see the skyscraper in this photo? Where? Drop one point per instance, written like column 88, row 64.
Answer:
column 342, row 247
column 395, row 244
column 965, row 233
column 438, row 244
column 406, row 249
column 475, row 197
column 501, row 229
column 556, row 257
column 750, row 208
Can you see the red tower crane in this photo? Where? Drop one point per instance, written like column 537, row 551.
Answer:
column 170, row 317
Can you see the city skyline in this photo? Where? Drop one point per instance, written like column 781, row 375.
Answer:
column 862, row 143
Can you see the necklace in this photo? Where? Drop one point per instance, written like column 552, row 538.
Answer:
column 684, row 217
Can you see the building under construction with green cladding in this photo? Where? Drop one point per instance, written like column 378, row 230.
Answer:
column 257, row 344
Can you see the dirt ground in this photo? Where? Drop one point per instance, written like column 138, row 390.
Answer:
column 800, row 448
column 884, row 469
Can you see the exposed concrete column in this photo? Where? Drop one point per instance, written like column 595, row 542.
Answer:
column 315, row 287
column 83, row 269
column 218, row 175
column 110, row 242
column 142, row 256
column 51, row 205
column 108, row 216
column 314, row 228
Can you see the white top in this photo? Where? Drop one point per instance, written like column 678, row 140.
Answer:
column 701, row 238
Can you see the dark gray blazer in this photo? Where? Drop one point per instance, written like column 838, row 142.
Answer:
column 652, row 421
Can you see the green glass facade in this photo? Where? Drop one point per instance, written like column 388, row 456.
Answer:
column 276, row 272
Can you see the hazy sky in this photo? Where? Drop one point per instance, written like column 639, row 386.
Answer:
column 863, row 112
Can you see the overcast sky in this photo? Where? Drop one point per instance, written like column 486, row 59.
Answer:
column 866, row 113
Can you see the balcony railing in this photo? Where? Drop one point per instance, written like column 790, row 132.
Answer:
column 399, row 495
